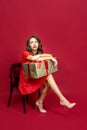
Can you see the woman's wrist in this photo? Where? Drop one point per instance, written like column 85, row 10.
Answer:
column 36, row 57
column 52, row 58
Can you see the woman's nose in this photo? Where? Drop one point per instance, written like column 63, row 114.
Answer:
column 35, row 43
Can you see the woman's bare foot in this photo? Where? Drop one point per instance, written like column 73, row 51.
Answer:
column 67, row 104
column 40, row 107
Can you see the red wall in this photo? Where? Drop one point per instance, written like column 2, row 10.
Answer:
column 62, row 27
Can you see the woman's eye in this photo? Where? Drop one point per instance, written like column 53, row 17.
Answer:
column 31, row 42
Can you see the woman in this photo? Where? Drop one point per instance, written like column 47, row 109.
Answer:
column 34, row 52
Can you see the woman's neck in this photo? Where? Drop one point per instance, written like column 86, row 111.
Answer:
column 34, row 52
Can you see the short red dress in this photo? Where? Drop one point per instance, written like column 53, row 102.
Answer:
column 27, row 86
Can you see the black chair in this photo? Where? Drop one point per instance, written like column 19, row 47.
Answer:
column 14, row 80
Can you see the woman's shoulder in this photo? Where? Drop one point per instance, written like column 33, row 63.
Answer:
column 25, row 53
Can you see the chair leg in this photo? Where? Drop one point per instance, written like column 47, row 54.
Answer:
column 27, row 98
column 24, row 101
column 10, row 96
column 39, row 93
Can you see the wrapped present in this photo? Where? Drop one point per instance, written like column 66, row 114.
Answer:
column 39, row 69
column 51, row 67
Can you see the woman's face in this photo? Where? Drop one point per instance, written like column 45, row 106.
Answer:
column 33, row 44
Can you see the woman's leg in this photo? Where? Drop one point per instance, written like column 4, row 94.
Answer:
column 44, row 91
column 39, row 102
column 55, row 88
column 50, row 83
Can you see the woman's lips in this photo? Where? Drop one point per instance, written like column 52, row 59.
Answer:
column 34, row 46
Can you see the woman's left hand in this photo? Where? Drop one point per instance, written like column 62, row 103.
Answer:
column 55, row 61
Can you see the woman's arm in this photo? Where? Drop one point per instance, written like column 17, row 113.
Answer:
column 47, row 57
column 41, row 57
column 32, row 58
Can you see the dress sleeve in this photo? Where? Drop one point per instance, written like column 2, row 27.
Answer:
column 24, row 55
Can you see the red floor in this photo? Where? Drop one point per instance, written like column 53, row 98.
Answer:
column 57, row 117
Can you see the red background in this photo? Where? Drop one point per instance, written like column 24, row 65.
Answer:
column 62, row 27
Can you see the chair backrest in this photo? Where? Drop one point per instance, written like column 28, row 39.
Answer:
column 15, row 73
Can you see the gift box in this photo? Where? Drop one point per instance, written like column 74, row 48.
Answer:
column 39, row 69
column 51, row 67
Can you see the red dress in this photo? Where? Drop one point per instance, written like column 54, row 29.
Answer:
column 27, row 86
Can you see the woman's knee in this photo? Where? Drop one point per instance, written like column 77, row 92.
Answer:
column 49, row 76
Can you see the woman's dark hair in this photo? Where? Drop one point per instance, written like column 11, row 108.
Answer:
column 39, row 50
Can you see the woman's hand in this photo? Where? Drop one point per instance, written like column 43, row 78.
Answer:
column 55, row 61
column 32, row 58
column 47, row 58
column 36, row 57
